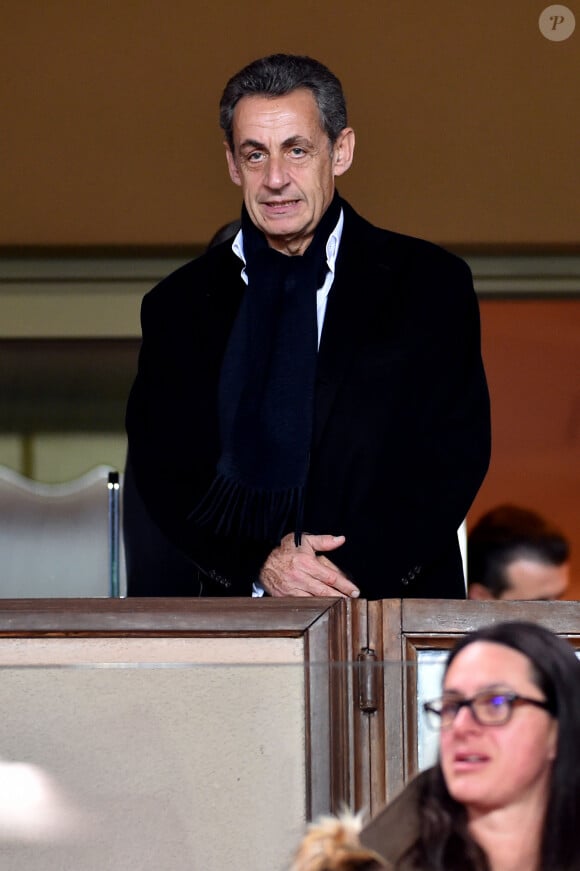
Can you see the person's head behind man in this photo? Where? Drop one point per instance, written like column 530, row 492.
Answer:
column 286, row 138
column 514, row 553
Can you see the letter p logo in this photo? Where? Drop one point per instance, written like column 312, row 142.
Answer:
column 557, row 23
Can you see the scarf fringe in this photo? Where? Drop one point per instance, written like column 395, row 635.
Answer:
column 231, row 508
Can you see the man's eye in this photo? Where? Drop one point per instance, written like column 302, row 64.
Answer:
column 297, row 151
column 255, row 157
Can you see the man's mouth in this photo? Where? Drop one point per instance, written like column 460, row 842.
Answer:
column 280, row 204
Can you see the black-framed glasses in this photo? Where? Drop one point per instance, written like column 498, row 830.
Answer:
column 487, row 708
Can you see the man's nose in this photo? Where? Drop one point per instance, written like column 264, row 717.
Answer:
column 276, row 172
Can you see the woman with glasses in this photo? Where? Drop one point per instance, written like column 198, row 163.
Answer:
column 505, row 794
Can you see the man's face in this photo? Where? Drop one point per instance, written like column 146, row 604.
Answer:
column 530, row 579
column 285, row 165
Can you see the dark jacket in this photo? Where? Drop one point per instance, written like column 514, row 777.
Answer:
column 401, row 432
column 396, row 828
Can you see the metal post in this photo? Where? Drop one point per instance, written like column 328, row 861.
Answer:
column 114, row 535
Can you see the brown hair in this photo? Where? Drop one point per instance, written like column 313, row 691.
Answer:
column 332, row 844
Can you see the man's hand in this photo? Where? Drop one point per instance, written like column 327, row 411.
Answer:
column 301, row 571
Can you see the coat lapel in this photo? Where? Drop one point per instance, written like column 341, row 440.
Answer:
column 360, row 288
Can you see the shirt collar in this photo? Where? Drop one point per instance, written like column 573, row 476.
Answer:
column 332, row 246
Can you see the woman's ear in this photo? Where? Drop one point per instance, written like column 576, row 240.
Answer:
column 553, row 741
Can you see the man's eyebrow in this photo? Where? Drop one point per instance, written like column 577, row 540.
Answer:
column 296, row 140
column 287, row 143
column 252, row 143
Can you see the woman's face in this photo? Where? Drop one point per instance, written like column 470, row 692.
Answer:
column 490, row 767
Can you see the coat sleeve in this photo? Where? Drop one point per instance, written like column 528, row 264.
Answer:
column 173, row 431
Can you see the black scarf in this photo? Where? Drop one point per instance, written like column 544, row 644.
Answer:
column 266, row 391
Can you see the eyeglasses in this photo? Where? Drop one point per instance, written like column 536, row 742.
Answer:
column 487, row 708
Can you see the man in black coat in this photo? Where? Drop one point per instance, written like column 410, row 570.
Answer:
column 310, row 414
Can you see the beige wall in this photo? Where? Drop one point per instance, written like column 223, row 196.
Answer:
column 466, row 116
column 134, row 759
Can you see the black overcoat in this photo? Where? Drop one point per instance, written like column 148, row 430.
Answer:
column 401, row 432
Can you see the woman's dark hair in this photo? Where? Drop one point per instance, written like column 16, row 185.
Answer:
column 278, row 75
column 445, row 842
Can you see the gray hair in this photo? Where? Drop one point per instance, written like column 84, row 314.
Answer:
column 280, row 74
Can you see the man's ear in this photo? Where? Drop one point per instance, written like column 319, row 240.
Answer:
column 232, row 168
column 343, row 151
column 478, row 591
